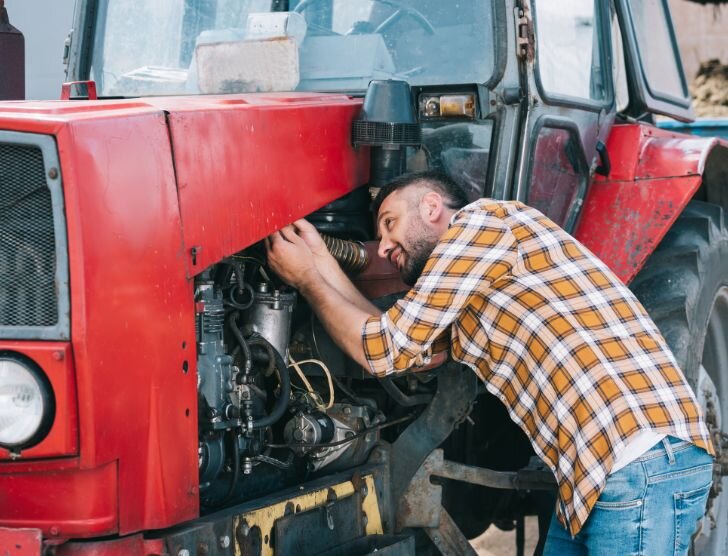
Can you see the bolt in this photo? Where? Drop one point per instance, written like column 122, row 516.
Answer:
column 365, row 520
column 364, row 491
column 347, row 410
column 58, row 355
column 224, row 541
column 53, row 173
column 54, row 531
column 245, row 529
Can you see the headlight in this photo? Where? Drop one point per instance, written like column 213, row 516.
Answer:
column 27, row 405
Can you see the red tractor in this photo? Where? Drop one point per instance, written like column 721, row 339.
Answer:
column 161, row 392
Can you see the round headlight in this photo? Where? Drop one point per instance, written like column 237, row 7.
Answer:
column 26, row 403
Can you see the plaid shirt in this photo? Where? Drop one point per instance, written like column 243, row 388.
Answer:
column 554, row 334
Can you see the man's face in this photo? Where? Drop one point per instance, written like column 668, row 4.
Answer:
column 405, row 239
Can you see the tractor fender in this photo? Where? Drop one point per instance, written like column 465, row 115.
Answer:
column 654, row 174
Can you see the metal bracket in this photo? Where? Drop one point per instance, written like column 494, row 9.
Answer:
column 420, row 505
column 524, row 34
column 456, row 390
column 449, row 539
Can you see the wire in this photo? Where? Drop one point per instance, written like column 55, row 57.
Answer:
column 260, row 264
column 296, row 365
column 345, row 440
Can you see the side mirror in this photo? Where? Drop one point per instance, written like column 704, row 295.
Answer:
column 12, row 59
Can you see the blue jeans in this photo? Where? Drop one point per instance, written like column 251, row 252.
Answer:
column 650, row 507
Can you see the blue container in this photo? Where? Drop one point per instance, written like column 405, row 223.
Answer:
column 717, row 127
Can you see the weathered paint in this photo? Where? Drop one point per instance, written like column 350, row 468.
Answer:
column 265, row 518
column 654, row 174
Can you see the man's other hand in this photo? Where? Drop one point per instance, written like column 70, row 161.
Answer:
column 291, row 257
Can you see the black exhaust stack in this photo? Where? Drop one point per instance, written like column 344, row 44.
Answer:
column 12, row 59
column 387, row 124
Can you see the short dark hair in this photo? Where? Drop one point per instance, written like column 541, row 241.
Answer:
column 452, row 194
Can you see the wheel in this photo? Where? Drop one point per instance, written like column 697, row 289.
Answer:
column 684, row 288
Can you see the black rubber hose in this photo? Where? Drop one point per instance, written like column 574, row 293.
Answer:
column 236, row 472
column 401, row 398
column 281, row 404
column 233, row 324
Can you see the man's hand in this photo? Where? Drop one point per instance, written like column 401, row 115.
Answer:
column 291, row 258
column 324, row 261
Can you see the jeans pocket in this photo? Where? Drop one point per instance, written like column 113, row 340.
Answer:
column 689, row 509
column 621, row 505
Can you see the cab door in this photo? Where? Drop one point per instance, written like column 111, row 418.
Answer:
column 565, row 51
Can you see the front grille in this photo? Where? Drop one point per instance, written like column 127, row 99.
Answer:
column 28, row 285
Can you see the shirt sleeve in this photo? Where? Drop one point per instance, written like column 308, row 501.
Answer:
column 477, row 250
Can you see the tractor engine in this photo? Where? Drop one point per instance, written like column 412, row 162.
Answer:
column 267, row 403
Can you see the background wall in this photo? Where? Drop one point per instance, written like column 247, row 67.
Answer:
column 702, row 33
column 45, row 25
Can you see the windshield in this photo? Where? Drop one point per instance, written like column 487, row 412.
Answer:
column 220, row 46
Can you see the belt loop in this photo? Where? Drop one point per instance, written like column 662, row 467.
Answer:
column 668, row 450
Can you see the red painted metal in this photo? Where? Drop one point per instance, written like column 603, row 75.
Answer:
column 20, row 542
column 135, row 545
column 91, row 93
column 654, row 174
column 380, row 277
column 56, row 361
column 248, row 165
column 74, row 502
column 243, row 166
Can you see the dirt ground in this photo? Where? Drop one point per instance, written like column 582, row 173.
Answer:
column 710, row 90
column 495, row 542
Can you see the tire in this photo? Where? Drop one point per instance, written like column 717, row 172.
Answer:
column 684, row 288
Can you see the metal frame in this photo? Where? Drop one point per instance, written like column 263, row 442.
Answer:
column 62, row 329
column 642, row 98
column 555, row 122
column 605, row 46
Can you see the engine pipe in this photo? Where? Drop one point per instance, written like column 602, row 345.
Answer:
column 282, row 402
column 351, row 255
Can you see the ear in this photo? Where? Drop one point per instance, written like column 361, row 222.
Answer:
column 431, row 207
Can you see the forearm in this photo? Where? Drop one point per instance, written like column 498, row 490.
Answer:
column 342, row 318
column 338, row 280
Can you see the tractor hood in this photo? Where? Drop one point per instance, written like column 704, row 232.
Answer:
column 244, row 165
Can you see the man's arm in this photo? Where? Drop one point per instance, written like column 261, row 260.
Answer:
column 330, row 269
column 477, row 250
column 290, row 256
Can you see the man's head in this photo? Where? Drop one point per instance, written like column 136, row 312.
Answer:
column 412, row 213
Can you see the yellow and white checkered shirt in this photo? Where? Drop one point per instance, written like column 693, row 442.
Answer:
column 554, row 334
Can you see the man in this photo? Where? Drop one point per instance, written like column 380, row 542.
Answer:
column 553, row 334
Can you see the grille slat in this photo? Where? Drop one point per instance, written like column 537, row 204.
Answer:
column 28, row 292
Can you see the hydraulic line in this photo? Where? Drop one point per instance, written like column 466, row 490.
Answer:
column 281, row 404
column 232, row 323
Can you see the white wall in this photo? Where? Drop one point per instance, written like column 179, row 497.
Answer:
column 45, row 24
column 701, row 33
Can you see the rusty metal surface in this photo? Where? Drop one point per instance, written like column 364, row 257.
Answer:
column 535, row 476
column 421, row 504
column 448, row 539
column 456, row 390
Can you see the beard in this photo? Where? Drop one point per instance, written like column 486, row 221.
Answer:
column 420, row 243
